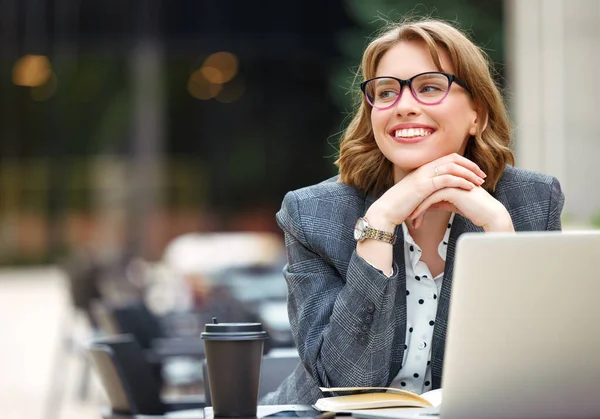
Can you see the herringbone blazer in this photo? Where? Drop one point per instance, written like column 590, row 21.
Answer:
column 348, row 320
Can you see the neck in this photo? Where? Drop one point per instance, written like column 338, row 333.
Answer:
column 399, row 174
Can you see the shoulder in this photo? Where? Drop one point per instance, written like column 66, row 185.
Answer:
column 315, row 198
column 530, row 197
column 521, row 184
column 327, row 189
column 513, row 176
column 329, row 205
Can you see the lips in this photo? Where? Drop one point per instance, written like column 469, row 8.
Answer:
column 412, row 132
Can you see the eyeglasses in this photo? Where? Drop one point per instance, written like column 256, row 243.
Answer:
column 428, row 88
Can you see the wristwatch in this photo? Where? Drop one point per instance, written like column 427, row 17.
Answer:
column 362, row 231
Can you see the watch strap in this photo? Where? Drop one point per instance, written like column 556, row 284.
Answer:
column 384, row 236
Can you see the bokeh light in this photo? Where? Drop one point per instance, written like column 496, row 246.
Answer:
column 31, row 71
column 212, row 74
column 217, row 78
column 220, row 67
column 201, row 88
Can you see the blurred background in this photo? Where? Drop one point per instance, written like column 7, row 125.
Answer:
column 146, row 145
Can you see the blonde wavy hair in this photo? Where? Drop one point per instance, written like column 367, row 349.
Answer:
column 361, row 163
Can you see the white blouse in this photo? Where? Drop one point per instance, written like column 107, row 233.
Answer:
column 422, row 293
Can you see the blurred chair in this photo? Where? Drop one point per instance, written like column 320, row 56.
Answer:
column 129, row 383
column 136, row 319
column 157, row 341
column 176, row 358
column 276, row 366
column 83, row 273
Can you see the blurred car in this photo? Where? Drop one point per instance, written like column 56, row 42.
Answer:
column 236, row 276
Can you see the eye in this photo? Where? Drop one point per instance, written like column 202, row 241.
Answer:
column 387, row 94
column 430, row 84
column 431, row 88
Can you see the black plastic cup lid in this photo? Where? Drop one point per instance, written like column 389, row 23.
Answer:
column 234, row 331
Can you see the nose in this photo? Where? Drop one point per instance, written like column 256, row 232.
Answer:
column 407, row 104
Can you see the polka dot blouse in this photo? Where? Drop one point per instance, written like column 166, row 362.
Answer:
column 422, row 291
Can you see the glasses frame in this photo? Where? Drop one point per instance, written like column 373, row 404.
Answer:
column 408, row 82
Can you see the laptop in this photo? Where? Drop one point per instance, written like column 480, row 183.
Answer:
column 523, row 337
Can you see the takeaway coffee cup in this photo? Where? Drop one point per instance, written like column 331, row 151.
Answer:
column 233, row 360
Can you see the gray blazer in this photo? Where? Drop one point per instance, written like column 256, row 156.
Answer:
column 348, row 320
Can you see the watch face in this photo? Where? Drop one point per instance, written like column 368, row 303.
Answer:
column 359, row 228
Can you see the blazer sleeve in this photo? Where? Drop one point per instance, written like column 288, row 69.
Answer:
column 344, row 328
column 557, row 202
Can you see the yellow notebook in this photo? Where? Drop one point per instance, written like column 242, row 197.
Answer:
column 373, row 398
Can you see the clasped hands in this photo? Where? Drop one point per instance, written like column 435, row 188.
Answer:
column 450, row 183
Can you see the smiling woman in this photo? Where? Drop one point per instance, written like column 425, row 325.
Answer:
column 370, row 253
column 432, row 50
column 442, row 109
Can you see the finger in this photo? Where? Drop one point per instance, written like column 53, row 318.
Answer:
column 450, row 181
column 458, row 170
column 438, row 206
column 466, row 163
column 444, row 206
column 419, row 214
column 418, row 222
column 434, row 198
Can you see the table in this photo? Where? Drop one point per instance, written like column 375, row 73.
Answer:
column 396, row 413
column 265, row 410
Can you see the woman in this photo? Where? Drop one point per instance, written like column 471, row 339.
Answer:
column 370, row 253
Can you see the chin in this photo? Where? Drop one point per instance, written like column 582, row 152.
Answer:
column 408, row 164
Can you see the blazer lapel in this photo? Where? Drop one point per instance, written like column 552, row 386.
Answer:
column 460, row 225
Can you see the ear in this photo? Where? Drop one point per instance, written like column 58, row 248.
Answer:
column 475, row 123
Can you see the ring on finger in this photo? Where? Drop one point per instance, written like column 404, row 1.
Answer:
column 435, row 170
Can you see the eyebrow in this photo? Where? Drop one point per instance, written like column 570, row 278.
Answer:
column 381, row 82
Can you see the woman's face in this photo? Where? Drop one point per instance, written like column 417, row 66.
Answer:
column 443, row 128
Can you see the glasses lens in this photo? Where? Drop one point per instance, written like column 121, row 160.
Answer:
column 382, row 92
column 430, row 87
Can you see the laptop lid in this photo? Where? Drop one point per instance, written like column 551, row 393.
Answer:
column 523, row 336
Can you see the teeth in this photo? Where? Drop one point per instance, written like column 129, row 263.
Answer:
column 412, row 132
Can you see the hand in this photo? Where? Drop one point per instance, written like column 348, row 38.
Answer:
column 401, row 200
column 476, row 204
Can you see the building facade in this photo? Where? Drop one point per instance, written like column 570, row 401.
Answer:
column 552, row 59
